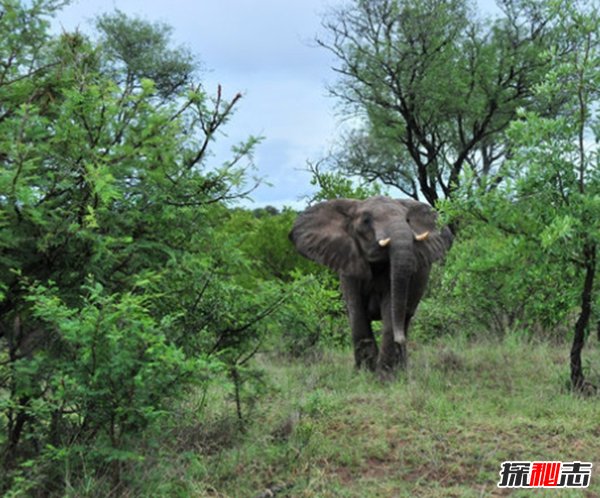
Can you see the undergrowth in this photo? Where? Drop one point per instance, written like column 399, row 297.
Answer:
column 442, row 429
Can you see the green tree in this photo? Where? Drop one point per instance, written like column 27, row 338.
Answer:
column 334, row 184
column 136, row 49
column 548, row 194
column 116, row 293
column 434, row 87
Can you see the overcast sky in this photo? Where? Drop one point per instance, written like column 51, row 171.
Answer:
column 264, row 49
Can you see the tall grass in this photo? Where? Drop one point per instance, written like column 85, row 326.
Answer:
column 441, row 429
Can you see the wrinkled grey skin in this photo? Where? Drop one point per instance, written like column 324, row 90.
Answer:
column 383, row 250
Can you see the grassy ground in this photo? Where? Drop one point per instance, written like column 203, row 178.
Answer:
column 442, row 430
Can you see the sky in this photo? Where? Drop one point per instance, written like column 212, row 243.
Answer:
column 264, row 49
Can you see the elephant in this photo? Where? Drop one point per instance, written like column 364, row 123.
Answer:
column 382, row 249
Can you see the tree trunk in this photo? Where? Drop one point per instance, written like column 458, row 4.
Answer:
column 577, row 378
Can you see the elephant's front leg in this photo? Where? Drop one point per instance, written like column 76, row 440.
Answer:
column 392, row 355
column 365, row 346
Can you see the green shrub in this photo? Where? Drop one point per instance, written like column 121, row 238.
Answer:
column 108, row 372
column 313, row 317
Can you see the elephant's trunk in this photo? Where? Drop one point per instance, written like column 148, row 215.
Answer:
column 403, row 265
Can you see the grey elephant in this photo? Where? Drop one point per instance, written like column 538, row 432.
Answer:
column 383, row 250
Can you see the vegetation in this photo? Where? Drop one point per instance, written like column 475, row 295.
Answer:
column 441, row 431
column 494, row 122
column 117, row 282
column 547, row 194
column 321, row 429
column 434, row 86
column 157, row 339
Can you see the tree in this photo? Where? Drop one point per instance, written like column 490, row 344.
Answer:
column 434, row 87
column 548, row 193
column 114, row 295
column 333, row 184
column 136, row 49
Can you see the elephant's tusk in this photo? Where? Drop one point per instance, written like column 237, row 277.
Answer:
column 422, row 236
column 384, row 242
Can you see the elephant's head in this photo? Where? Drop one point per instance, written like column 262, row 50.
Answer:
column 350, row 236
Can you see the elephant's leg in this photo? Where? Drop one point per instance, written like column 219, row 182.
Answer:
column 365, row 346
column 401, row 348
column 392, row 355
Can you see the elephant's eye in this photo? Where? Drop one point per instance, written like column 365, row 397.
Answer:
column 366, row 221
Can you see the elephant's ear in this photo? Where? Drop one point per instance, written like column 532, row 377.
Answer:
column 321, row 233
column 431, row 242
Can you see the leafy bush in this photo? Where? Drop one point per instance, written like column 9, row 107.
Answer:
column 106, row 373
column 313, row 317
column 491, row 284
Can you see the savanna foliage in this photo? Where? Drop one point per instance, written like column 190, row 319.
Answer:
column 125, row 279
column 495, row 121
column 547, row 195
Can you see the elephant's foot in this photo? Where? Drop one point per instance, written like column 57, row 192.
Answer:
column 365, row 354
column 392, row 359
